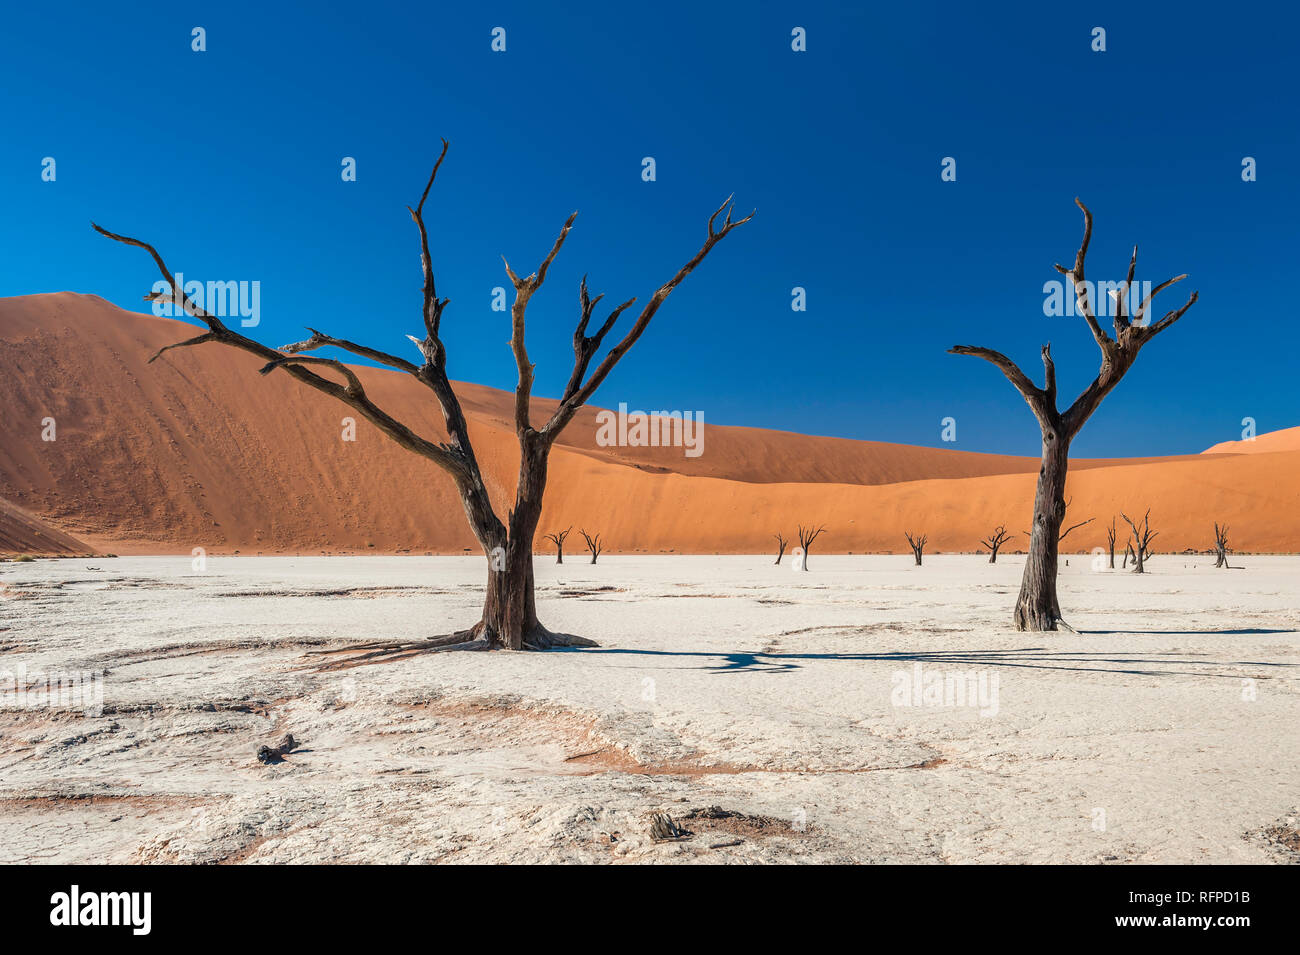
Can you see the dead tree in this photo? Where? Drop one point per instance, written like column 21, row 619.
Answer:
column 1110, row 542
column 781, row 542
column 806, row 538
column 1221, row 546
column 996, row 540
column 558, row 540
column 918, row 545
column 593, row 544
column 509, row 617
column 1141, row 544
column 1037, row 607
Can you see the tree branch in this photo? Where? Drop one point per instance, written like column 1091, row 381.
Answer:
column 321, row 340
column 351, row 394
column 1076, row 276
column 1140, row 315
column 524, row 289
column 572, row 402
column 1121, row 299
column 1035, row 397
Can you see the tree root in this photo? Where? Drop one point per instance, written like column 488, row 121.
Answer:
column 543, row 639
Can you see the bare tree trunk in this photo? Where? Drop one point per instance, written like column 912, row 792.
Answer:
column 1037, row 607
column 1221, row 545
column 1138, row 562
column 1110, row 540
column 917, row 544
column 781, row 541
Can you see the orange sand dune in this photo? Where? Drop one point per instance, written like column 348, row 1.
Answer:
column 1287, row 439
column 197, row 450
column 24, row 533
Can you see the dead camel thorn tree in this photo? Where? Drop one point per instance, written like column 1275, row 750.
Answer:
column 995, row 541
column 557, row 539
column 1221, row 546
column 806, row 538
column 781, row 542
column 1110, row 542
column 1141, row 544
column 917, row 544
column 509, row 618
column 1037, row 607
column 593, row 544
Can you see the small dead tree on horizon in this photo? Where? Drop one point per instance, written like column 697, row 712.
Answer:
column 557, row 538
column 781, row 542
column 593, row 544
column 1037, row 607
column 806, row 538
column 996, row 540
column 1110, row 542
column 1142, row 539
column 1221, row 546
column 918, row 545
column 509, row 618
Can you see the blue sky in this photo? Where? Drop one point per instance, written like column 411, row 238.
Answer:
column 229, row 161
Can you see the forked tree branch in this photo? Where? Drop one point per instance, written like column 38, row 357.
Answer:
column 524, row 289
column 580, row 393
column 1035, row 397
column 1076, row 276
column 1118, row 354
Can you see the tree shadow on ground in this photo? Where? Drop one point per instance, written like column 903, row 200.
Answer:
column 1034, row 658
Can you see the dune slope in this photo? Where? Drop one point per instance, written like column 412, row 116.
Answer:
column 197, row 450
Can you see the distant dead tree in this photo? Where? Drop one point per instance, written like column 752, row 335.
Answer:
column 806, row 538
column 1221, row 546
column 781, row 542
column 558, row 540
column 1110, row 542
column 593, row 544
column 1141, row 544
column 995, row 540
column 509, row 619
column 1037, row 607
column 918, row 545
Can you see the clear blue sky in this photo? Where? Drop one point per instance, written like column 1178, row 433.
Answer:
column 229, row 161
